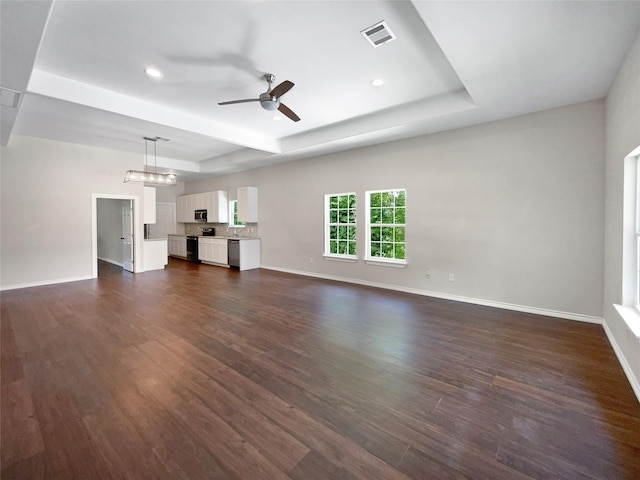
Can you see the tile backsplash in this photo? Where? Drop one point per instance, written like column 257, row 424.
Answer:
column 223, row 230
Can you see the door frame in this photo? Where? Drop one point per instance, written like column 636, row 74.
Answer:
column 137, row 230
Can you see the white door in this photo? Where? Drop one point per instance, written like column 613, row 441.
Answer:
column 165, row 221
column 127, row 235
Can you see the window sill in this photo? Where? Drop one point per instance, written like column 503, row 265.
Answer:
column 341, row 258
column 386, row 263
column 631, row 316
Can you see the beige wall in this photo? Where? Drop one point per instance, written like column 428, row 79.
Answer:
column 513, row 208
column 623, row 136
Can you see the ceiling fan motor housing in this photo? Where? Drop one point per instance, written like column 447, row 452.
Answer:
column 268, row 102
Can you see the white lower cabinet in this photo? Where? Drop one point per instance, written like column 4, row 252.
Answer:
column 213, row 250
column 155, row 254
column 249, row 253
column 177, row 246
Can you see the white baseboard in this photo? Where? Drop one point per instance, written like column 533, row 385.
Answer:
column 633, row 380
column 113, row 262
column 445, row 296
column 43, row 283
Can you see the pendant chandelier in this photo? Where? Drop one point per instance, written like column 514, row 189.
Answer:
column 152, row 179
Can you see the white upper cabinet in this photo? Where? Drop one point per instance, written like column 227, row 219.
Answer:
column 149, row 214
column 200, row 201
column 248, row 204
column 182, row 209
column 215, row 203
column 217, row 207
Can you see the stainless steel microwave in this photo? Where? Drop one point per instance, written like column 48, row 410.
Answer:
column 201, row 216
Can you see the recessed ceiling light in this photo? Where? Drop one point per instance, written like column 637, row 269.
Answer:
column 153, row 72
column 377, row 82
column 276, row 119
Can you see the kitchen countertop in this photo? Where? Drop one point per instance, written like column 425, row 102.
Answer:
column 225, row 237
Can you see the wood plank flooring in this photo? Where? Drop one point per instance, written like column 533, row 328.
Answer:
column 199, row 372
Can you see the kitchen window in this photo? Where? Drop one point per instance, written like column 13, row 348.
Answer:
column 233, row 215
column 386, row 224
column 340, row 225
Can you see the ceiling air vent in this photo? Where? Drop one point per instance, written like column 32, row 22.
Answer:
column 9, row 98
column 378, row 34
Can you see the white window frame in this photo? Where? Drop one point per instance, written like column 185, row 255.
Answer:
column 232, row 214
column 629, row 309
column 392, row 262
column 328, row 224
column 637, row 236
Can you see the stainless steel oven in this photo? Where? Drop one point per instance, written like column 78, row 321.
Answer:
column 192, row 249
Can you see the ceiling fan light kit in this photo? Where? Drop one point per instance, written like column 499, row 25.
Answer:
column 151, row 179
column 270, row 100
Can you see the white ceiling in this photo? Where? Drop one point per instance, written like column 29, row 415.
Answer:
column 80, row 66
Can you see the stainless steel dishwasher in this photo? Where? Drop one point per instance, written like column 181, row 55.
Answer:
column 234, row 253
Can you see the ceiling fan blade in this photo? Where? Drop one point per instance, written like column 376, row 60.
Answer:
column 288, row 112
column 240, row 101
column 281, row 89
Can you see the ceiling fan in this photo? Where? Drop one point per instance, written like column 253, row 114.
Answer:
column 270, row 100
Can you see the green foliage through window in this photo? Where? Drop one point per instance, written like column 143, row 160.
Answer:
column 233, row 215
column 341, row 219
column 387, row 221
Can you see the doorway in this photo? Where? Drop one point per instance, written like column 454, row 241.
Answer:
column 115, row 232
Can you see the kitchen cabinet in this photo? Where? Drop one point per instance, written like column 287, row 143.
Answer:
column 182, row 209
column 177, row 246
column 149, row 212
column 244, row 253
column 215, row 203
column 217, row 207
column 155, row 254
column 200, row 201
column 213, row 250
column 248, row 204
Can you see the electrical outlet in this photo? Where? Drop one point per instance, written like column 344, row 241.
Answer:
column 452, row 277
column 310, row 259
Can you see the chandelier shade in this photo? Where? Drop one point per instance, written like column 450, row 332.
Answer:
column 152, row 179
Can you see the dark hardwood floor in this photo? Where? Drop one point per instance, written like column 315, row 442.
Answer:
column 200, row 372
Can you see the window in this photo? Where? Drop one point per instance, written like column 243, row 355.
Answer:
column 233, row 215
column 629, row 309
column 340, row 225
column 386, row 226
column 637, row 238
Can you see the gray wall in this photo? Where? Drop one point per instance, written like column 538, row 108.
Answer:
column 513, row 208
column 109, row 230
column 623, row 136
column 169, row 194
column 46, row 207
